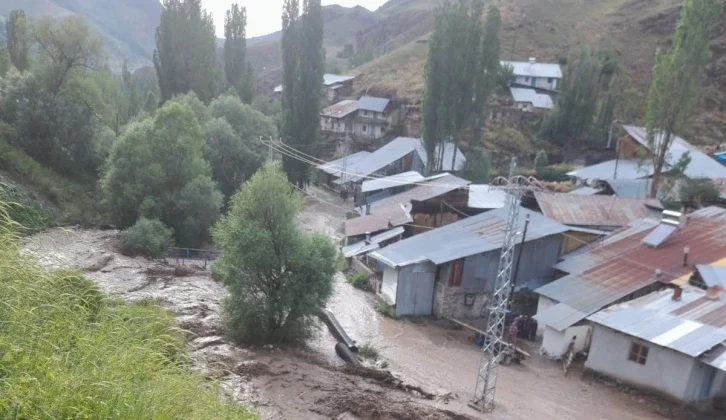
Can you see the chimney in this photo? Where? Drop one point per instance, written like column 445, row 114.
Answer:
column 686, row 250
column 532, row 60
column 677, row 292
column 368, row 237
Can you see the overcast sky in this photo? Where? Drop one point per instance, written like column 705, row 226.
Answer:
column 264, row 16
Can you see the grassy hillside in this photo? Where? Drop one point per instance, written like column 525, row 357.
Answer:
column 549, row 30
column 128, row 26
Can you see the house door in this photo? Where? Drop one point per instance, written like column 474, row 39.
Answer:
column 415, row 294
column 705, row 390
column 534, row 81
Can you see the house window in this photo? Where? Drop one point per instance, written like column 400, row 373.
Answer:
column 526, row 80
column 457, row 269
column 550, row 80
column 364, row 128
column 638, row 353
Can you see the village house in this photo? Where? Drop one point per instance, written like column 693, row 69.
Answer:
column 529, row 100
column 335, row 87
column 450, row 272
column 631, row 165
column 534, row 75
column 375, row 117
column 339, row 118
column 638, row 259
column 332, row 171
column 377, row 189
column 672, row 341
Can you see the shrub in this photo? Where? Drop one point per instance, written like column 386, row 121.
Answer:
column 367, row 351
column 147, row 237
column 359, row 281
column 69, row 352
column 386, row 309
column 30, row 212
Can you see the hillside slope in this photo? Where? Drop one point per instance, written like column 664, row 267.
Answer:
column 549, row 30
column 128, row 26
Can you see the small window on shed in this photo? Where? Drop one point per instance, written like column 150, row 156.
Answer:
column 457, row 269
column 638, row 353
column 364, row 128
column 550, row 80
column 526, row 80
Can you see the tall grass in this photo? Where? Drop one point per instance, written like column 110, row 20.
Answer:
column 68, row 352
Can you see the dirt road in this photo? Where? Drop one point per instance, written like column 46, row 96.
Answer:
column 311, row 382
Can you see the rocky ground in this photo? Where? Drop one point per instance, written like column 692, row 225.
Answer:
column 432, row 366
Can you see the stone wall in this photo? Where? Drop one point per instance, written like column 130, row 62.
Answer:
column 459, row 302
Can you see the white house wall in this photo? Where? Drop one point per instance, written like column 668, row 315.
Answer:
column 390, row 284
column 554, row 343
column 665, row 370
column 543, row 303
column 539, row 82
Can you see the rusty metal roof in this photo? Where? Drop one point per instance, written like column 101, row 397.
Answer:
column 341, row 109
column 595, row 210
column 692, row 325
column 384, row 219
column 620, row 265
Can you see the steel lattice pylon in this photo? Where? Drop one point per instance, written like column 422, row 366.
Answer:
column 486, row 381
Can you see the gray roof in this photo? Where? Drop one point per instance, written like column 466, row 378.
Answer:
column 534, row 69
column 431, row 187
column 680, row 325
column 701, row 166
column 470, row 236
column 391, row 152
column 371, row 103
column 713, row 275
column 630, row 188
column 328, row 80
column 485, row 197
column 538, row 100
column 627, row 169
column 336, row 166
column 364, row 247
column 341, row 109
column 406, row 178
column 584, row 191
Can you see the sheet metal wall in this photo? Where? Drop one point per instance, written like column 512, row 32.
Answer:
column 415, row 289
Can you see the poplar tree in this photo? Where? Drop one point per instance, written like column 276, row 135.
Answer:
column 303, row 64
column 185, row 55
column 461, row 72
column 677, row 74
column 18, row 39
column 236, row 67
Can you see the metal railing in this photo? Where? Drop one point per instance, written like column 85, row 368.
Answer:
column 192, row 254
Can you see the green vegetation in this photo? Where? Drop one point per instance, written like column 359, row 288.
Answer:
column 675, row 87
column 478, row 167
column 386, row 309
column 18, row 39
column 238, row 71
column 31, row 212
column 303, row 64
column 146, row 237
column 278, row 277
column 68, row 352
column 461, row 72
column 157, row 170
column 359, row 281
column 540, row 161
column 698, row 192
column 185, row 55
column 368, row 351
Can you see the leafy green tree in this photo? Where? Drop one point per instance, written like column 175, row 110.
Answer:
column 4, row 61
column 236, row 67
column 158, row 166
column 185, row 55
column 146, row 237
column 698, row 192
column 278, row 277
column 571, row 120
column 303, row 60
column 461, row 72
column 131, row 93
column 675, row 86
column 478, row 167
column 18, row 39
column 191, row 100
column 65, row 47
column 540, row 161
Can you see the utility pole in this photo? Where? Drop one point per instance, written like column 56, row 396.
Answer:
column 486, row 382
column 345, row 161
column 519, row 260
column 610, row 134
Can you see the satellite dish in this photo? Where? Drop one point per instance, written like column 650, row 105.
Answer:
column 714, row 292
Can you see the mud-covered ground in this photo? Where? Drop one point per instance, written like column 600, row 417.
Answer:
column 311, row 382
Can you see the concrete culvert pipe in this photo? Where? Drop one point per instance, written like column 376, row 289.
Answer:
column 344, row 352
column 337, row 331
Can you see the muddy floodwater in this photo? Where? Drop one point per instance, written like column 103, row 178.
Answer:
column 312, row 382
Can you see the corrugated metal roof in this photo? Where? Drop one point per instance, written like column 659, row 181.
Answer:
column 470, row 236
column 485, row 197
column 406, row 178
column 595, row 210
column 384, row 219
column 371, row 103
column 630, row 188
column 692, row 325
column 426, row 190
column 701, row 166
column 391, row 152
column 341, row 109
column 620, row 264
column 363, row 247
column 328, row 80
column 534, row 69
column 448, row 157
column 560, row 316
column 627, row 169
column 584, row 191
column 334, row 167
column 538, row 100
column 713, row 275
